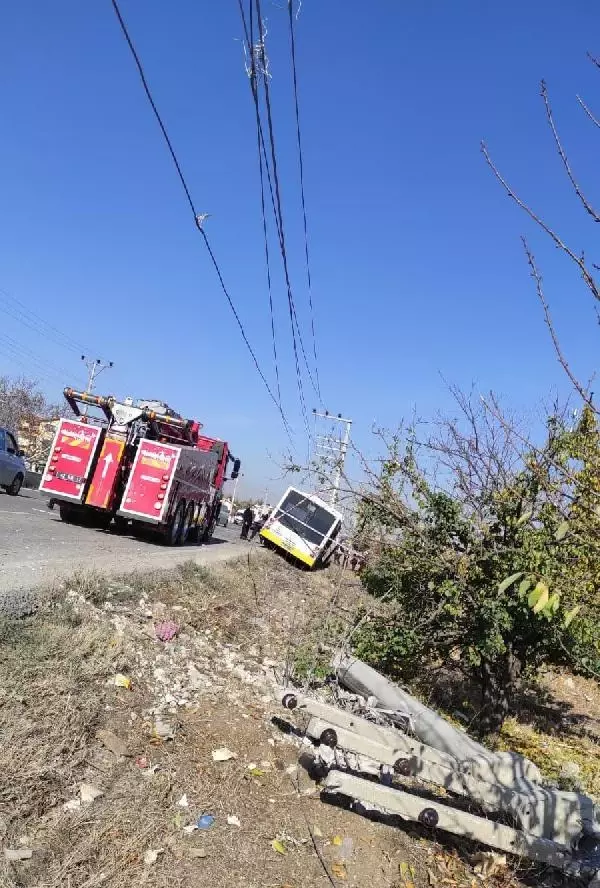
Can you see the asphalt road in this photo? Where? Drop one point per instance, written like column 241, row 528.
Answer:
column 36, row 547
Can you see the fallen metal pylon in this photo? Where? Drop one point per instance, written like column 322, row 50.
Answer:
column 385, row 770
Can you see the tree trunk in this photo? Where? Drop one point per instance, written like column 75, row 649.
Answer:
column 499, row 682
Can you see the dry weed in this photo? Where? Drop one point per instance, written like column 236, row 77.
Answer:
column 55, row 696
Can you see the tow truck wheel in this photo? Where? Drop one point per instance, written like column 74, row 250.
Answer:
column 188, row 524
column 193, row 536
column 210, row 528
column 100, row 520
column 176, row 524
column 70, row 515
column 121, row 524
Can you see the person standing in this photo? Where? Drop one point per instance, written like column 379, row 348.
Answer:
column 247, row 519
column 259, row 520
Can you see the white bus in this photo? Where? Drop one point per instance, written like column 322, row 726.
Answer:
column 304, row 526
column 225, row 514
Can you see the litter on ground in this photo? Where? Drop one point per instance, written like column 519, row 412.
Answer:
column 16, row 854
column 223, row 754
column 166, row 630
column 152, row 855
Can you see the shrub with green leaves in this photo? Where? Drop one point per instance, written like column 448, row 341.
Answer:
column 498, row 567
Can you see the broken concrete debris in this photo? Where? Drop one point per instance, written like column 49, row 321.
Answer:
column 15, row 855
column 113, row 743
column 488, row 863
column 223, row 754
column 89, row 793
column 152, row 855
column 72, row 805
column 163, row 729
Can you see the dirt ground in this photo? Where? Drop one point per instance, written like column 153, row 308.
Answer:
column 240, row 627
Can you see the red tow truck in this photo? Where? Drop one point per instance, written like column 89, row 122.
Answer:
column 136, row 465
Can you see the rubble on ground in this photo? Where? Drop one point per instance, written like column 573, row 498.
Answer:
column 162, row 696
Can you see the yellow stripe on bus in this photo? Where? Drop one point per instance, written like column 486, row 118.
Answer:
column 302, row 556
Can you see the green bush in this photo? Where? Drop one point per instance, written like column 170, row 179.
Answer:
column 497, row 571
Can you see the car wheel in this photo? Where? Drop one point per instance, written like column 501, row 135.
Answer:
column 15, row 488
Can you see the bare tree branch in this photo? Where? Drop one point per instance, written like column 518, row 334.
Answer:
column 563, row 155
column 593, row 59
column 588, row 112
column 578, row 260
column 535, row 274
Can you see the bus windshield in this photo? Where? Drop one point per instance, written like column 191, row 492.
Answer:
column 309, row 520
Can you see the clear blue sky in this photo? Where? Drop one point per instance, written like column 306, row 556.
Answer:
column 417, row 265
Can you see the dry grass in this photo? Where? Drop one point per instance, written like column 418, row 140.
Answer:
column 50, row 674
column 55, row 697
column 54, row 672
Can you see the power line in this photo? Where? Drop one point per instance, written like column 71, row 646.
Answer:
column 262, row 200
column 277, row 211
column 29, row 364
column 27, row 354
column 292, row 307
column 303, row 200
column 278, row 219
column 197, row 218
column 268, row 264
column 34, row 356
column 19, row 312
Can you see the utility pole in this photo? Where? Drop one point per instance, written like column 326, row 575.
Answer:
column 335, row 445
column 94, row 367
column 235, row 484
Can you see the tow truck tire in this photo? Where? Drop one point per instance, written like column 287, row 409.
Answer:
column 188, row 524
column 120, row 524
column 193, row 534
column 100, row 520
column 176, row 525
column 210, row 527
column 70, row 515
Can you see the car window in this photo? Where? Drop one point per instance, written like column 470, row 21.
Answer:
column 2, row 441
column 11, row 444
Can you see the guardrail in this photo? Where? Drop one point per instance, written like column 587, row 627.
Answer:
column 32, row 480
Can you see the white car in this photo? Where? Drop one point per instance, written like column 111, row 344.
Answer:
column 12, row 464
column 224, row 515
column 238, row 517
